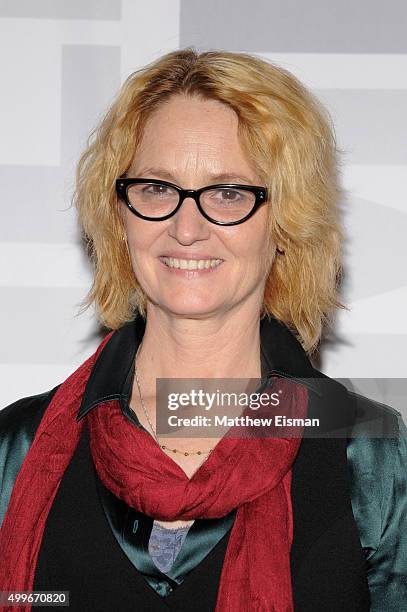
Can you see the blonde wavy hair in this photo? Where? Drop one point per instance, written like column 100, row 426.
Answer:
column 288, row 137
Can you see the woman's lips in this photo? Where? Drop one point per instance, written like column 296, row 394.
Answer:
column 190, row 267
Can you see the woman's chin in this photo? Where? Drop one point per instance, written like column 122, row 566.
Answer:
column 188, row 307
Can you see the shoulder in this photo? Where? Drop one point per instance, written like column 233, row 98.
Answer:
column 18, row 424
column 367, row 417
column 375, row 418
column 24, row 412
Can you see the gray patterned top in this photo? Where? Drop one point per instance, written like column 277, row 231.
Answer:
column 165, row 544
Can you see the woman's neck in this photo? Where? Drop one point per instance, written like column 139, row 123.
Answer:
column 179, row 347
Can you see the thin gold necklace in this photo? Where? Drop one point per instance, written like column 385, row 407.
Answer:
column 163, row 446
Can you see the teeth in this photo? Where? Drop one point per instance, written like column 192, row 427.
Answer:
column 191, row 264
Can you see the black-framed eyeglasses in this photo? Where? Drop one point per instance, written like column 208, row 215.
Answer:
column 223, row 204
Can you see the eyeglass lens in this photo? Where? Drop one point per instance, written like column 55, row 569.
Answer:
column 220, row 204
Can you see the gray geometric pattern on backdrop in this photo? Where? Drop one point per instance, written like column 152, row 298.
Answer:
column 61, row 9
column 295, row 26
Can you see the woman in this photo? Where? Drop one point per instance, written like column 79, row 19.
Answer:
column 232, row 281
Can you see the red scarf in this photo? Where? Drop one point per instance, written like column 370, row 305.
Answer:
column 253, row 475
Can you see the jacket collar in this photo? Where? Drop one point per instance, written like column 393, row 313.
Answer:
column 111, row 378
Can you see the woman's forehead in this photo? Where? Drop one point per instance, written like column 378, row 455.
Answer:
column 194, row 122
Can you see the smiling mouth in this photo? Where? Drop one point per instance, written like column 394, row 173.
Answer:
column 191, row 264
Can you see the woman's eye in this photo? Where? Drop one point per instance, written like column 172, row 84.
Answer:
column 229, row 194
column 156, row 190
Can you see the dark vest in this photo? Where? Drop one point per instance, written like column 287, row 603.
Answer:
column 80, row 554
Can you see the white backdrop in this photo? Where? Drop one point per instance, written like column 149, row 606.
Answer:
column 61, row 63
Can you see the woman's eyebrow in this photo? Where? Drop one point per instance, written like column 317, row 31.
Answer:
column 211, row 178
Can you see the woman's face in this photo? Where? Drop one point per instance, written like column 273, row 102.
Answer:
column 194, row 143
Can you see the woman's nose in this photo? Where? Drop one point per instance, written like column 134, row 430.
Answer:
column 188, row 224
